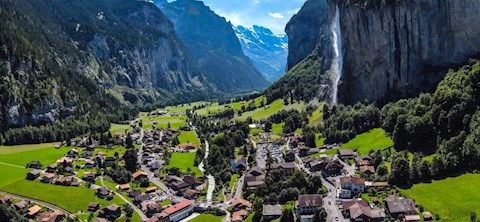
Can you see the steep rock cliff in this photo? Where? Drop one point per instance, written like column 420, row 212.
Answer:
column 214, row 46
column 392, row 51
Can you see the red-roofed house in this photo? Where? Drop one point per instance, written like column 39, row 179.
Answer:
column 179, row 211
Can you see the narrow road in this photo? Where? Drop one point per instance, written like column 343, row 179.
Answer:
column 38, row 202
column 134, row 207
column 12, row 165
column 240, row 183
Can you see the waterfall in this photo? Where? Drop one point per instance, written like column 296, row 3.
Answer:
column 337, row 65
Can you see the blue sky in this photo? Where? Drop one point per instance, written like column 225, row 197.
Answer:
column 273, row 14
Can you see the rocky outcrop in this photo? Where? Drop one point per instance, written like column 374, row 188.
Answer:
column 214, row 46
column 392, row 51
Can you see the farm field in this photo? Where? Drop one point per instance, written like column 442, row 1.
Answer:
column 182, row 108
column 210, row 109
column 188, row 137
column 119, row 128
column 207, row 217
column 265, row 112
column 183, row 161
column 375, row 139
column 25, row 147
column 46, row 156
column 452, row 198
column 176, row 122
column 278, row 127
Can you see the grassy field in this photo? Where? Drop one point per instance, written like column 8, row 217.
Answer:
column 183, row 107
column 278, row 127
column 319, row 140
column 176, row 122
column 233, row 179
column 317, row 117
column 183, row 161
column 207, row 217
column 375, row 139
column 188, row 137
column 46, row 156
column 25, row 147
column 210, row 109
column 119, row 128
column 265, row 112
column 453, row 198
column 11, row 174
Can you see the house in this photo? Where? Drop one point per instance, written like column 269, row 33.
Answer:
column 6, row 199
column 399, row 207
column 89, row 164
column 271, row 212
column 155, row 165
column 179, row 211
column 179, row 185
column 51, row 168
column 35, row 164
column 287, row 168
column 112, row 212
column 65, row 161
column 68, row 170
column 92, row 207
column 33, row 211
column 254, row 177
column 190, row 194
column 124, row 187
column 303, row 151
column 363, row 161
column 356, row 185
column 21, row 205
column 239, row 216
column 142, row 198
column 151, row 208
column 56, row 216
column 192, row 181
column 110, row 161
column 151, row 189
column 307, row 205
column 346, row 154
column 345, row 194
column 73, row 153
column 240, row 204
column 328, row 166
column 34, row 174
column 89, row 176
column 134, row 193
column 367, row 170
column 414, row 218
column 104, row 193
column 290, row 156
column 427, row 216
column 239, row 163
column 187, row 147
column 138, row 175
column 360, row 210
column 48, row 178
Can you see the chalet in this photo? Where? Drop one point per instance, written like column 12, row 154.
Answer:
column 290, row 156
column 187, row 147
column 68, row 170
column 367, row 170
column 192, row 181
column 151, row 189
column 179, row 185
column 110, row 161
column 155, row 165
column 399, row 207
column 151, row 208
column 73, row 153
column 6, row 199
column 363, row 161
column 360, row 210
column 34, row 174
column 254, row 177
column 89, row 164
column 112, row 212
column 303, row 151
column 138, row 175
column 48, row 178
column 271, row 212
column 134, row 193
column 179, row 211
column 307, row 206
column 56, row 216
column 64, row 181
column 239, row 163
column 124, row 187
column 240, row 204
column 65, row 161
column 327, row 166
column 89, row 176
column 295, row 140
column 239, row 216
column 21, row 205
column 142, row 198
column 356, row 185
column 287, row 168
column 93, row 207
column 86, row 155
column 346, row 154
column 104, row 193
column 33, row 211
column 190, row 194
column 35, row 164
column 51, row 168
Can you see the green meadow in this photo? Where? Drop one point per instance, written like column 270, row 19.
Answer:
column 184, row 161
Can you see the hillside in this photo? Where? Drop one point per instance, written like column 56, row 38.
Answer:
column 66, row 59
column 268, row 51
column 214, row 46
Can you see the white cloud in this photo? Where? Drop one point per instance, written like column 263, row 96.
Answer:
column 276, row 15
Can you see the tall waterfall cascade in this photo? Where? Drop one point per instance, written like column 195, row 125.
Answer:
column 337, row 65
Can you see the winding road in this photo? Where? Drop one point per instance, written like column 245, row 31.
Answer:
column 38, row 202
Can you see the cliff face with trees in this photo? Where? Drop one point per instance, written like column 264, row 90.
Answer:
column 392, row 49
column 61, row 60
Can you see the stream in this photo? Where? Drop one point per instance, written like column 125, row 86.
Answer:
column 211, row 179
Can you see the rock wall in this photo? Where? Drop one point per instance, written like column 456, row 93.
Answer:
column 392, row 51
